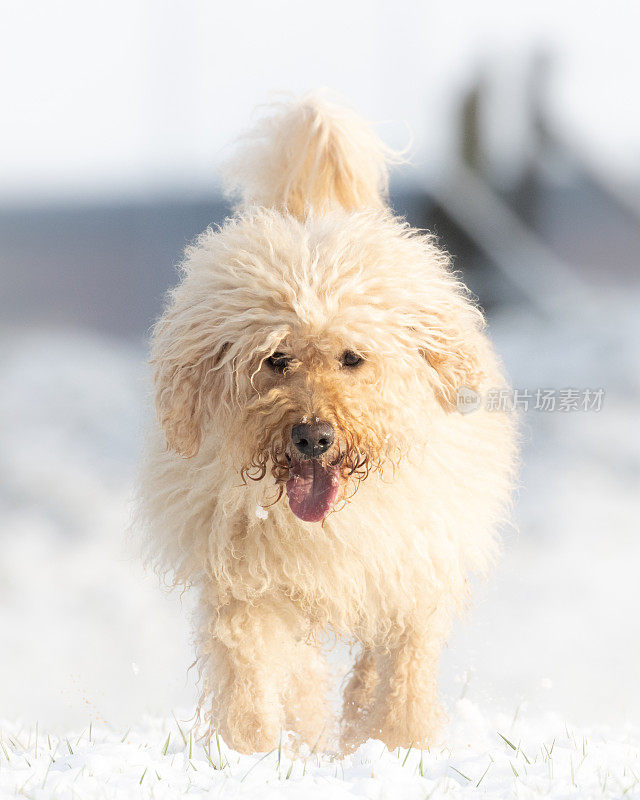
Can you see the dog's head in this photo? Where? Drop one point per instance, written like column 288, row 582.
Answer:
column 312, row 352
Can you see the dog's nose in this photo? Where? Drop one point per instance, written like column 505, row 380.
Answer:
column 313, row 440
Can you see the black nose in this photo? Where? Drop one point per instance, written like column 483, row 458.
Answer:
column 313, row 440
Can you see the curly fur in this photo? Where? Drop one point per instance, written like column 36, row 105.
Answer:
column 314, row 263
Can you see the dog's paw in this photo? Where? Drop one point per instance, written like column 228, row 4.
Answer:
column 418, row 726
column 355, row 727
column 252, row 734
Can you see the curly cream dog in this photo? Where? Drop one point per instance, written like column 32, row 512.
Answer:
column 310, row 469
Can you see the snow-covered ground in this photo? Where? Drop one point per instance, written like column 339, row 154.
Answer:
column 487, row 755
column 90, row 647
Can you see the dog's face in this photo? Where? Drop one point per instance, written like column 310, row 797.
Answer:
column 313, row 352
column 319, row 419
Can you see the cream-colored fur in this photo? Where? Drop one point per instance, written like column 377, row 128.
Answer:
column 313, row 264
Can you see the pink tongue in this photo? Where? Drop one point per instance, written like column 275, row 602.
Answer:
column 312, row 489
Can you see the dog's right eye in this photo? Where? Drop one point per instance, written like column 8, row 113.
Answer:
column 278, row 362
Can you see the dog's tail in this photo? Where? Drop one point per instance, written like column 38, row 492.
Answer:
column 311, row 155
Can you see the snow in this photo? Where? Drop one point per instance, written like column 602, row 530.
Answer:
column 76, row 609
column 91, row 648
column 494, row 756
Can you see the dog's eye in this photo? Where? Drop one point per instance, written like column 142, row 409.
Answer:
column 278, row 362
column 350, row 359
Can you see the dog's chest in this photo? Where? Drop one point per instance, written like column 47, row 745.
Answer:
column 338, row 576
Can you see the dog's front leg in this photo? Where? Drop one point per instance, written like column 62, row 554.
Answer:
column 406, row 709
column 246, row 650
column 358, row 697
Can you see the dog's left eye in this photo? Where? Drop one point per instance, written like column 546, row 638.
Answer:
column 278, row 362
column 350, row 359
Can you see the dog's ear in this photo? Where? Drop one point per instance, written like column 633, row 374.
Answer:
column 451, row 343
column 189, row 380
column 454, row 369
column 181, row 404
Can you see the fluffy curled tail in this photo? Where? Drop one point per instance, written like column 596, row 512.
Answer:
column 311, row 155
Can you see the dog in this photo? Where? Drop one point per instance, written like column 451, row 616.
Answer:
column 310, row 469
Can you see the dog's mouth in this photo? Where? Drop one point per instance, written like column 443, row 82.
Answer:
column 312, row 487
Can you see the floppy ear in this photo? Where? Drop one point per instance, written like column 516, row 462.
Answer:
column 454, row 369
column 180, row 405
column 188, row 380
column 452, row 344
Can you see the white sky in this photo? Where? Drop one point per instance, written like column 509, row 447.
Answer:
column 121, row 97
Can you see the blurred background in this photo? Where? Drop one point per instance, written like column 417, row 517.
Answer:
column 524, row 130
